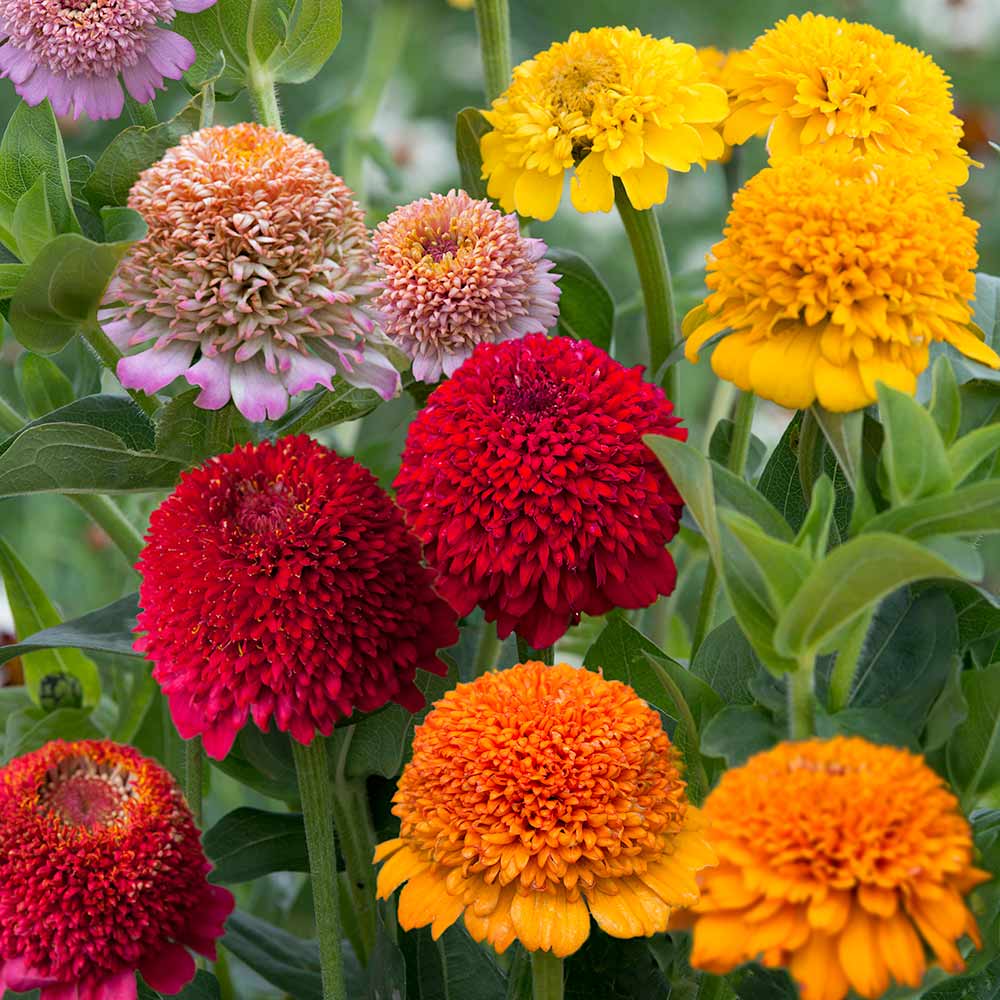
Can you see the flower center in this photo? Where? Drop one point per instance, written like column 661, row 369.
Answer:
column 441, row 246
column 263, row 509
column 531, row 396
column 576, row 85
column 83, row 793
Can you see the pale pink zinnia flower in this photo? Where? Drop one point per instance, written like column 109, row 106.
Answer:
column 73, row 51
column 459, row 273
column 257, row 257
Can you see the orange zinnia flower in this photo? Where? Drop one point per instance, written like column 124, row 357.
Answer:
column 534, row 794
column 835, row 859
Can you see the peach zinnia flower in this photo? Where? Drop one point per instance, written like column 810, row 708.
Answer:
column 258, row 258
column 459, row 273
column 534, row 795
column 838, row 859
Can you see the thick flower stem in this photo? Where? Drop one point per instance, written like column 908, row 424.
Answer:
column 493, row 22
column 110, row 356
column 846, row 664
column 489, row 649
column 801, row 707
column 527, row 653
column 643, row 231
column 194, row 777
column 109, row 516
column 546, row 976
column 316, row 794
column 265, row 98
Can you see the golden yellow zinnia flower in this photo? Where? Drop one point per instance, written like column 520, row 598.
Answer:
column 717, row 66
column 836, row 272
column 610, row 102
column 534, row 794
column 816, row 79
column 836, row 858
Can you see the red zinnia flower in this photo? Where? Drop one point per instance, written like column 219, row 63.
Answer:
column 528, row 482
column 280, row 581
column 101, row 873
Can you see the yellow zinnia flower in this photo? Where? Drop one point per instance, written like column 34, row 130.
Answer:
column 717, row 66
column 610, row 102
column 816, row 79
column 534, row 795
column 839, row 860
column 836, row 272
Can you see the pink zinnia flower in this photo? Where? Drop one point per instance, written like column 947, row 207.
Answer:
column 459, row 273
column 73, row 51
column 257, row 260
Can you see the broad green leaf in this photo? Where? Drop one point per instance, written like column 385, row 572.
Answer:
column 969, row 510
column 322, row 408
column 133, row 704
column 987, row 307
column 248, row 843
column 31, row 728
column 754, row 982
column 873, row 724
column 43, row 386
column 223, row 27
column 307, row 33
column 814, row 535
column 32, row 225
column 974, row 750
column 914, row 456
column 204, row 986
column 946, row 404
column 850, row 579
column 80, row 458
column 387, row 969
column 735, row 493
column 948, row 712
column 469, row 969
column 722, row 440
column 79, row 363
column 972, row 450
column 33, row 612
column 606, row 968
column 282, row 959
column 470, row 127
column 263, row 762
column 984, row 984
column 191, row 434
column 11, row 276
column 586, row 309
column 122, row 225
column 978, row 618
column 692, row 475
column 727, row 663
column 738, row 732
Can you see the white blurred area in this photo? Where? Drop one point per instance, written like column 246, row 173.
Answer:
column 959, row 24
column 6, row 618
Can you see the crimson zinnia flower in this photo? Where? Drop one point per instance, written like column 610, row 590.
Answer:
column 280, row 582
column 102, row 873
column 528, row 482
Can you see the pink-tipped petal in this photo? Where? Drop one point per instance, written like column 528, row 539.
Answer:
column 211, row 375
column 306, row 371
column 15, row 63
column 193, row 6
column 376, row 372
column 257, row 395
column 99, row 98
column 156, row 367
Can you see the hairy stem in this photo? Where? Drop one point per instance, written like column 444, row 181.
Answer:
column 846, row 664
column 264, row 95
column 493, row 22
column 801, row 705
column 546, row 976
column 194, row 777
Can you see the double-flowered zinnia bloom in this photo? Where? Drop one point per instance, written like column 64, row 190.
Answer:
column 279, row 582
column 838, row 271
column 527, row 480
column 534, row 795
column 459, row 273
column 608, row 103
column 102, row 874
column 257, row 260
column 73, row 52
column 839, row 860
column 819, row 80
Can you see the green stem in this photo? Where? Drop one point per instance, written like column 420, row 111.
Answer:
column 525, row 653
column 643, row 231
column 194, row 777
column 173, row 745
column 493, row 22
column 207, row 117
column 264, row 95
column 706, row 607
column 317, row 798
column 846, row 664
column 110, row 356
column 489, row 649
column 10, row 420
column 801, row 707
column 546, row 976
column 225, row 977
column 105, row 512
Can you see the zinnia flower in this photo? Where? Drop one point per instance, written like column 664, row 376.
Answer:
column 838, row 859
column 527, row 480
column 280, row 582
column 837, row 272
column 257, row 257
column 816, row 79
column 73, row 51
column 102, row 873
column 534, row 795
column 607, row 103
column 459, row 273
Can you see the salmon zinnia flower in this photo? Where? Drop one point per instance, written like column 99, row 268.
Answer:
column 837, row 272
column 534, row 795
column 838, row 859
column 816, row 79
column 257, row 260
column 459, row 273
column 280, row 582
column 607, row 103
column 102, row 873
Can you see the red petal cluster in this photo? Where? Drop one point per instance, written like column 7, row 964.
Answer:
column 528, row 482
column 280, row 582
column 102, row 873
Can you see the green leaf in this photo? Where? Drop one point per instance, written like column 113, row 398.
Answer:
column 470, row 127
column 738, row 732
column 814, row 535
column 32, row 225
column 974, row 749
column 948, row 712
column 31, row 728
column 735, row 493
column 722, row 440
column 978, row 618
column 322, row 408
column 969, row 510
column 204, row 986
column 248, row 843
column 122, row 224
column 43, row 386
column 11, row 276
column 849, row 580
column 224, row 28
column 586, row 309
column 191, row 434
column 282, row 959
column 307, row 30
column 387, row 968
column 981, row 985
column 972, row 450
column 916, row 462
column 80, row 458
column 33, row 612
column 470, row 973
column 946, row 404
column 727, row 663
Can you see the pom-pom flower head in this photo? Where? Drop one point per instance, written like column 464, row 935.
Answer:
column 819, row 80
column 459, row 273
column 837, row 272
column 280, row 582
column 534, row 795
column 528, row 482
column 607, row 103
column 838, row 859
column 258, row 257
column 74, row 51
column 102, row 873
